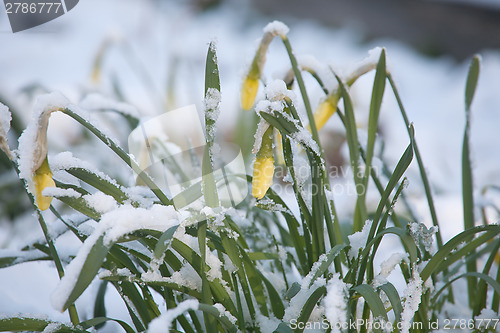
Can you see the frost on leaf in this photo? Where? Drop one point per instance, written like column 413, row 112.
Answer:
column 358, row 239
column 388, row 266
column 163, row 323
column 420, row 233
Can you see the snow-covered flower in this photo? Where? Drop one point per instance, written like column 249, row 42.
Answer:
column 33, row 163
column 250, row 85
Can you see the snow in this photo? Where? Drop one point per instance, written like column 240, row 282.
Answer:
column 267, row 324
column 60, row 192
column 304, row 137
column 163, row 323
column 388, row 266
column 419, row 232
column 365, row 65
column 292, row 312
column 358, row 240
column 335, row 302
column 127, row 219
column 113, row 225
column 186, row 277
column 413, row 294
column 211, row 259
column 270, row 205
column 268, row 106
column 276, row 28
column 310, row 63
column 212, row 111
column 307, row 280
column 215, row 271
column 100, row 202
column 225, row 313
column 5, row 118
column 276, row 91
column 95, row 101
column 259, row 134
column 212, row 102
column 66, row 160
column 487, row 319
column 21, row 255
column 52, row 327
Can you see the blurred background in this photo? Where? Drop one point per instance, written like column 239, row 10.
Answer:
column 458, row 28
column 150, row 55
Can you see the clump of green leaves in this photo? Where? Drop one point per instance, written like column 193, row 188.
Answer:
column 262, row 266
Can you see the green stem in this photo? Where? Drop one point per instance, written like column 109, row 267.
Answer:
column 425, row 180
column 73, row 314
column 303, row 92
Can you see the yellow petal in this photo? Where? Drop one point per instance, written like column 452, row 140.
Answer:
column 95, row 77
column 263, row 172
column 324, row 111
column 249, row 92
column 279, row 149
column 43, row 179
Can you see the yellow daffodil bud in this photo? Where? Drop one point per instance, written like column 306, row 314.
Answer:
column 32, row 151
column 325, row 110
column 263, row 172
column 263, row 167
column 251, row 80
column 43, row 179
column 249, row 92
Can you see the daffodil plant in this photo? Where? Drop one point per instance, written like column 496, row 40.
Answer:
column 275, row 262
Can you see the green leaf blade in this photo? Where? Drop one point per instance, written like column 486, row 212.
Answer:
column 373, row 299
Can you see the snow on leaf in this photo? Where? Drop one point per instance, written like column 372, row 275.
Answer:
column 113, row 226
column 32, row 149
column 335, row 302
column 96, row 101
column 358, row 239
column 413, row 295
column 276, row 28
column 163, row 323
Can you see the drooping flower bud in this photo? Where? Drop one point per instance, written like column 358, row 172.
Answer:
column 32, row 151
column 263, row 168
column 250, row 85
column 41, row 180
column 325, row 110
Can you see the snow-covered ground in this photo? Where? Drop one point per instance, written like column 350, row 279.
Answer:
column 148, row 41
